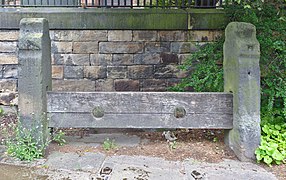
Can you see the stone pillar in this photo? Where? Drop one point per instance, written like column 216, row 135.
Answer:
column 34, row 76
column 242, row 78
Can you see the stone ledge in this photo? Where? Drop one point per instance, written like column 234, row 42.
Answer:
column 120, row 19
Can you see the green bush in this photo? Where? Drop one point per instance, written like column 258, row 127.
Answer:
column 206, row 72
column 273, row 144
column 204, row 68
column 24, row 145
column 170, row 3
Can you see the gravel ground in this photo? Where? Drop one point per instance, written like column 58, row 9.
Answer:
column 202, row 145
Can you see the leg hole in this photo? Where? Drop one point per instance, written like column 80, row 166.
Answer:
column 248, row 73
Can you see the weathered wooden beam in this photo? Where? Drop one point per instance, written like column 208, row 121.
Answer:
column 140, row 110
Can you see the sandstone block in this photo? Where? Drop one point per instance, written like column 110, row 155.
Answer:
column 117, row 72
column 183, row 47
column 57, row 59
column 73, row 72
column 147, row 58
column 10, row 71
column 71, row 59
column 145, row 36
column 153, row 89
column 122, row 59
column 217, row 35
column 174, row 81
column 85, row 47
column 204, row 35
column 57, row 72
column 9, row 109
column 73, row 85
column 121, row 47
column 157, row 47
column 62, row 35
column 169, row 58
column 1, row 71
column 94, row 72
column 8, row 98
column 52, row 35
column 165, row 71
column 106, row 85
column 9, row 47
column 126, row 85
column 100, row 59
column 10, row 35
column 61, row 47
column 8, row 85
column 154, row 85
column 119, row 35
column 140, row 72
column 89, row 35
column 8, row 58
column 76, row 59
column 173, row 36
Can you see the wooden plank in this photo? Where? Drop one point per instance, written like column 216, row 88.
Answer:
column 140, row 110
column 192, row 121
column 140, row 102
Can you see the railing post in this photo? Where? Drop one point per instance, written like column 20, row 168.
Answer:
column 242, row 78
column 34, row 76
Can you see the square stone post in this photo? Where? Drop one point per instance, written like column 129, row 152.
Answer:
column 242, row 78
column 35, row 79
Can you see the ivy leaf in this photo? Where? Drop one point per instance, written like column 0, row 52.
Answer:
column 277, row 155
column 270, row 151
column 259, row 157
column 265, row 129
column 275, row 133
column 268, row 160
column 278, row 162
column 278, row 127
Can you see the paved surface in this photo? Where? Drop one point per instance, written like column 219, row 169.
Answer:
column 98, row 166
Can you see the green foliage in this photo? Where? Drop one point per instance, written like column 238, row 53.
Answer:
column 183, row 3
column 173, row 145
column 204, row 68
column 58, row 137
column 170, row 3
column 108, row 144
column 24, row 146
column 1, row 112
column 270, row 22
column 273, row 144
column 205, row 71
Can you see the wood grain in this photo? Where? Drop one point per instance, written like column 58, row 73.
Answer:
column 140, row 109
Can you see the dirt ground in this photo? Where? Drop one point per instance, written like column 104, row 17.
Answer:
column 201, row 145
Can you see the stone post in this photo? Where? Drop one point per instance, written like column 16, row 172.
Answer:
column 242, row 78
column 34, row 76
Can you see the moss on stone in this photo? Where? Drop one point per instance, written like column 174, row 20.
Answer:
column 101, row 18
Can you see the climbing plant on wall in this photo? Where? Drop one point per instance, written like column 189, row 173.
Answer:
column 205, row 71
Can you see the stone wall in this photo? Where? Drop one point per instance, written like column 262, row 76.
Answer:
column 108, row 60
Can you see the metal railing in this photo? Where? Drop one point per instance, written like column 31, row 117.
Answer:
column 179, row 4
